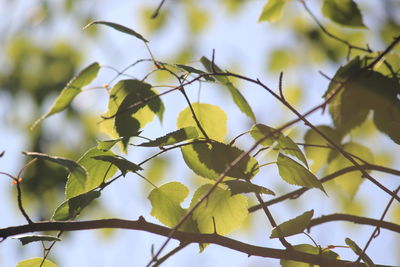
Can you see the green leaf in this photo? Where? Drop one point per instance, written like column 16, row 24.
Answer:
column 166, row 205
column 26, row 239
column 211, row 159
column 306, row 248
column 215, row 126
column 71, row 90
column 73, row 167
column 278, row 139
column 121, row 163
column 349, row 182
column 72, row 207
column 293, row 173
column 294, row 226
column 238, row 187
column 173, row 137
column 107, row 144
column 343, row 12
column 130, row 109
column 97, row 172
column 238, row 98
column 190, row 69
column 118, row 27
column 357, row 250
column 272, row 10
column 35, row 262
column 387, row 120
column 319, row 155
column 227, row 211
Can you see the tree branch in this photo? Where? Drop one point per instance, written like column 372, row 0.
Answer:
column 142, row 225
column 355, row 219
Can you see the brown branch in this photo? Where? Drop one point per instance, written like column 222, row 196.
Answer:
column 183, row 237
column 299, row 192
column 157, row 11
column 354, row 219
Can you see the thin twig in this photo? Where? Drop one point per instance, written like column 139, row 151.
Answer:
column 171, row 253
column 374, row 233
column 157, row 11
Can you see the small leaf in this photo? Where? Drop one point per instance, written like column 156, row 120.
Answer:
column 357, row 250
column 166, row 205
column 238, row 187
column 343, row 12
column 73, row 88
column 319, row 155
column 173, row 137
column 26, row 239
column 97, row 172
column 121, row 163
column 107, row 144
column 72, row 207
column 227, row 211
column 272, row 10
column 73, row 167
column 278, row 139
column 118, row 27
column 307, row 248
column 293, row 226
column 349, row 182
column 211, row 159
column 35, row 262
column 238, row 98
column 293, row 173
column 190, row 69
column 215, row 126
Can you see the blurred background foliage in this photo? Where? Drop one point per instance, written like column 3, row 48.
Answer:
column 43, row 46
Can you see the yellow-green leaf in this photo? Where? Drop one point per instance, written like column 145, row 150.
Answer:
column 349, row 182
column 272, row 10
column 215, row 126
column 356, row 249
column 121, row 163
column 118, row 27
column 73, row 88
column 97, row 172
column 221, row 209
column 237, row 97
column 307, row 248
column 107, row 144
column 35, row 262
column 166, row 205
column 294, row 173
column 210, row 160
column 239, row 187
column 71, row 208
column 173, row 137
column 277, row 139
column 343, row 12
column 319, row 155
column 293, row 226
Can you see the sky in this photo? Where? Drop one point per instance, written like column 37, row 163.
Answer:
column 239, row 41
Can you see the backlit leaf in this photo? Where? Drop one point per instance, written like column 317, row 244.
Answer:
column 293, row 226
column 71, row 90
column 166, row 205
column 350, row 182
column 272, row 10
column 26, row 239
column 343, row 12
column 238, row 187
column 190, row 69
column 75, row 168
column 132, row 109
column 227, row 211
column 238, row 98
column 35, row 262
column 278, row 140
column 121, row 163
column 307, row 248
column 173, row 137
column 215, row 126
column 107, row 144
column 358, row 251
column 293, row 173
column 211, row 159
column 97, row 172
column 319, row 155
column 118, row 27
column 72, row 207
